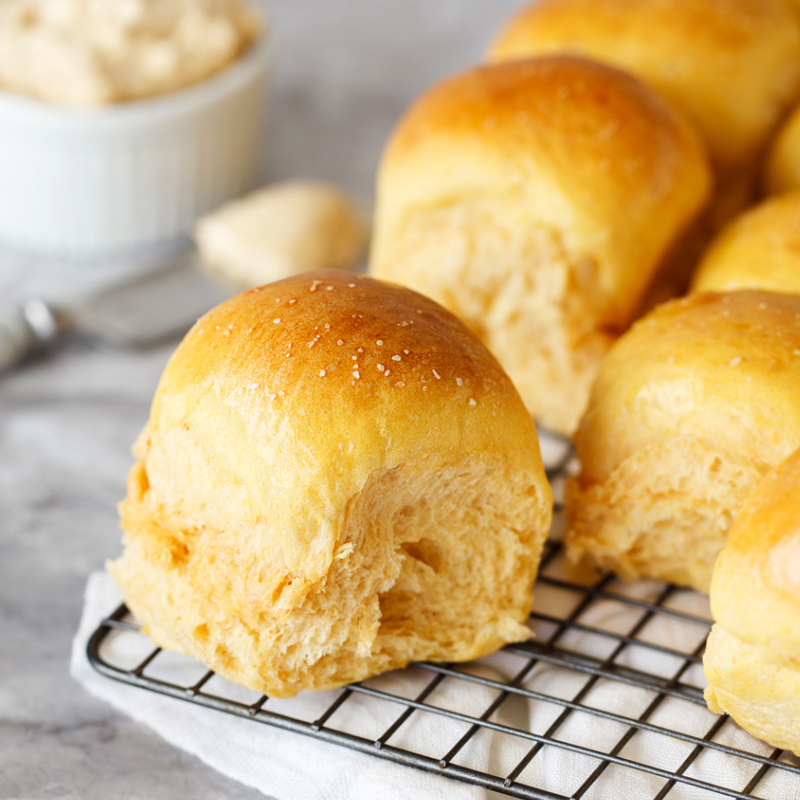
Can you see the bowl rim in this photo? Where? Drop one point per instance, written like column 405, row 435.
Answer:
column 255, row 60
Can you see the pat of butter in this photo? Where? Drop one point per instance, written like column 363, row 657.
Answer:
column 280, row 231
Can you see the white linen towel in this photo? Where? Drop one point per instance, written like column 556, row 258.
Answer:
column 286, row 765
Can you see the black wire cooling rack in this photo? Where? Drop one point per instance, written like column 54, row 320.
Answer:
column 602, row 698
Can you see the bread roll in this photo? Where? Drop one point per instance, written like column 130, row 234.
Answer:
column 690, row 409
column 758, row 250
column 752, row 658
column 336, row 478
column 536, row 200
column 282, row 230
column 733, row 66
column 782, row 168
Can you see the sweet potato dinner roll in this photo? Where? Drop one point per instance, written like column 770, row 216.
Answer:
column 782, row 168
column 758, row 250
column 536, row 200
column 733, row 66
column 752, row 658
column 336, row 478
column 690, row 410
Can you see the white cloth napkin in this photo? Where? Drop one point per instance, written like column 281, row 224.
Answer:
column 286, row 766
column 279, row 763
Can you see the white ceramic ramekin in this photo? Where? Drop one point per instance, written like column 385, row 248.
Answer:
column 86, row 183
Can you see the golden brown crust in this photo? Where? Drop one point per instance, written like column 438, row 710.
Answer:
column 684, row 369
column 755, row 592
column 371, row 347
column 545, row 188
column 691, row 407
column 752, row 659
column 782, row 164
column 732, row 65
column 589, row 146
column 310, row 480
column 758, row 250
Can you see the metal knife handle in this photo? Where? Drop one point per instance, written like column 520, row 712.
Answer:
column 23, row 329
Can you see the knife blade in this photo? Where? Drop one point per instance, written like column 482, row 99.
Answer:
column 138, row 313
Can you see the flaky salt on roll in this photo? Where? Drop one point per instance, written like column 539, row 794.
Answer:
column 690, row 409
column 752, row 657
column 336, row 478
column 758, row 250
column 536, row 200
column 733, row 66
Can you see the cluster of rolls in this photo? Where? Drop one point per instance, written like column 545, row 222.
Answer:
column 340, row 475
column 561, row 199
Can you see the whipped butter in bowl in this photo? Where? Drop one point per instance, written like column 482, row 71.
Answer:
column 123, row 120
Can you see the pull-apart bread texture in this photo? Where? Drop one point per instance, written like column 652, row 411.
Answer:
column 536, row 200
column 732, row 66
column 336, row 478
column 758, row 250
column 690, row 410
column 752, row 657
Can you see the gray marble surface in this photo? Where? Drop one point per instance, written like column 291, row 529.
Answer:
column 345, row 69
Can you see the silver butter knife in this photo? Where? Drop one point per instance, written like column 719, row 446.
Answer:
column 141, row 312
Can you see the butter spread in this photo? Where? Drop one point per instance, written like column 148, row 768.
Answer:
column 282, row 230
column 94, row 52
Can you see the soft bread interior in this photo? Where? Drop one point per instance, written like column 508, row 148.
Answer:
column 664, row 512
column 538, row 308
column 432, row 562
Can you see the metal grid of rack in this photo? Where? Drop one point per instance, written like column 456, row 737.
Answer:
column 609, row 693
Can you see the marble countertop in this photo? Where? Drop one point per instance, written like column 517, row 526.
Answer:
column 345, row 70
